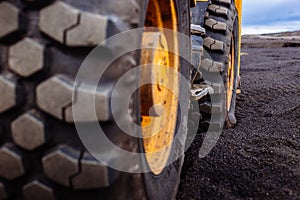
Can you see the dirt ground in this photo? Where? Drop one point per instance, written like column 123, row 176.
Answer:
column 260, row 157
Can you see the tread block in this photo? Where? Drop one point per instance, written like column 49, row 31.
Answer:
column 216, row 25
column 28, row 132
column 8, row 91
column 37, row 190
column 218, row 88
column 9, row 19
column 71, row 26
column 11, row 165
column 214, row 126
column 208, row 108
column 195, row 116
column 90, row 31
column 86, row 96
column 56, row 18
column 61, row 165
column 93, row 174
column 219, row 10
column 212, row 66
column 54, row 95
column 213, row 44
column 26, row 57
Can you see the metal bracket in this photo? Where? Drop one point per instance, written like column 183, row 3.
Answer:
column 197, row 30
column 200, row 91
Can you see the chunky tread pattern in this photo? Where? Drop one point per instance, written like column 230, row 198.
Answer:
column 37, row 72
column 72, row 27
column 219, row 20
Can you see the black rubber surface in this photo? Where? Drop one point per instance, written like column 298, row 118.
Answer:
column 217, row 44
column 59, row 166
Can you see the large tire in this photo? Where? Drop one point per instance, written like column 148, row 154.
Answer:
column 41, row 155
column 221, row 24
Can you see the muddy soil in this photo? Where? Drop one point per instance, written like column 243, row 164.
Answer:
column 260, row 157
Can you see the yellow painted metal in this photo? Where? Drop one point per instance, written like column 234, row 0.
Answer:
column 159, row 129
column 231, row 74
column 238, row 4
column 154, row 52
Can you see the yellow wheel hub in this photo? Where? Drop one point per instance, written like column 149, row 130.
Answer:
column 231, row 75
column 159, row 102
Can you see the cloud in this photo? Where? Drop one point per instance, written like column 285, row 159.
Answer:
column 269, row 11
column 279, row 14
column 271, row 28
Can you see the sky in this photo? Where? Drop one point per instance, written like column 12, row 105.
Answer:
column 270, row 16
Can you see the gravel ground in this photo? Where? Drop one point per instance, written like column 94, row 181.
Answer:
column 260, row 157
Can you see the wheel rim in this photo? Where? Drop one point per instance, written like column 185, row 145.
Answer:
column 231, row 74
column 158, row 125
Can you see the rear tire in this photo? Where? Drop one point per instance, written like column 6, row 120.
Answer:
column 221, row 24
